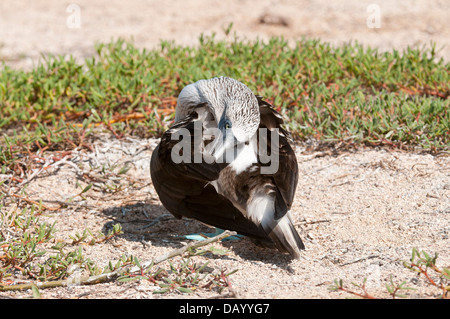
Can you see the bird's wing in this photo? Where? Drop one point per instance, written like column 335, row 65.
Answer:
column 216, row 210
column 286, row 177
column 190, row 169
column 185, row 188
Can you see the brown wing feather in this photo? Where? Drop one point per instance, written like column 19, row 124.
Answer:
column 184, row 188
column 286, row 178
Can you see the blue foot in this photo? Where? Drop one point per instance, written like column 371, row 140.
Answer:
column 218, row 231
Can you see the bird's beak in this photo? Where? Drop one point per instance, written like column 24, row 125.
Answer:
column 220, row 146
column 218, row 151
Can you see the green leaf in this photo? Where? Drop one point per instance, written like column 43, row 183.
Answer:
column 161, row 291
column 128, row 279
column 86, row 188
column 184, row 290
column 218, row 251
column 124, row 170
column 136, row 262
column 36, row 293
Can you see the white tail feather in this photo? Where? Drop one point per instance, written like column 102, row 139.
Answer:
column 282, row 232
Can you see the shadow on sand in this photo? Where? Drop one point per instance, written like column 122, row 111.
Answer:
column 143, row 221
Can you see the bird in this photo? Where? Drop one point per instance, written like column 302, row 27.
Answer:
column 213, row 164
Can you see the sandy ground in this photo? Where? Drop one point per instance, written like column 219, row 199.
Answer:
column 359, row 212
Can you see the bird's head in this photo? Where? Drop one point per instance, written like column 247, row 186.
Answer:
column 233, row 105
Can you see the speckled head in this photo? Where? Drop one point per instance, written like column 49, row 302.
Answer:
column 232, row 103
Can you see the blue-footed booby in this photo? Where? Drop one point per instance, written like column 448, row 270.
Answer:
column 227, row 162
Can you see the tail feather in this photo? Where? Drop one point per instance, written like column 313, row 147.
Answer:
column 281, row 231
column 285, row 237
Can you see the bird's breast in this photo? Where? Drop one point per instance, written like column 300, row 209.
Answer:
column 240, row 184
column 245, row 159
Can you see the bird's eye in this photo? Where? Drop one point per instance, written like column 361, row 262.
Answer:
column 228, row 125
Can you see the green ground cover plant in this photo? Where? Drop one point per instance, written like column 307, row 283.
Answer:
column 349, row 94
